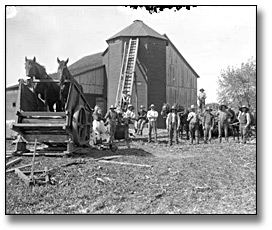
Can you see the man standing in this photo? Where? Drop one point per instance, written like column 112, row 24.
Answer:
column 129, row 118
column 111, row 118
column 152, row 116
column 141, row 120
column 244, row 119
column 193, row 120
column 172, row 125
column 184, row 124
column 201, row 99
column 208, row 124
column 223, row 122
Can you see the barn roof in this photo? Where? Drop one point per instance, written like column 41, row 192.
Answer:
column 13, row 87
column 137, row 29
column 87, row 63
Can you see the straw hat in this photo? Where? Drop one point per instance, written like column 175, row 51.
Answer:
column 173, row 108
column 192, row 106
column 152, row 106
column 112, row 107
column 208, row 108
column 142, row 107
column 201, row 89
column 220, row 107
column 244, row 106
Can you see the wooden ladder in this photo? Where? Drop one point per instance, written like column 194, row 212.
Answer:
column 126, row 80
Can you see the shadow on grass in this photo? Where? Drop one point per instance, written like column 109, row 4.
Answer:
column 124, row 149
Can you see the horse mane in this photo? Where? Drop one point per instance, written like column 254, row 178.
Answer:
column 40, row 67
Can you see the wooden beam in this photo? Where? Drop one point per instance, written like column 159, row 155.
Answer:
column 124, row 163
column 14, row 161
column 36, row 171
column 23, row 166
column 22, row 176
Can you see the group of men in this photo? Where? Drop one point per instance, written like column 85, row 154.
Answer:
column 115, row 116
column 224, row 117
column 174, row 122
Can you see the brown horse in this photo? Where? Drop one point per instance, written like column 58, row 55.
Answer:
column 65, row 80
column 49, row 92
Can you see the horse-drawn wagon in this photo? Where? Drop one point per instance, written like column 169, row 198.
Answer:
column 65, row 129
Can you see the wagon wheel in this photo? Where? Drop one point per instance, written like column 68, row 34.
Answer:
column 80, row 126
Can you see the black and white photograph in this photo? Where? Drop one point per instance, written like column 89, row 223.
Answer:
column 131, row 110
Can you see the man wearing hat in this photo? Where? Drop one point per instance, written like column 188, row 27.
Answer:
column 201, row 99
column 172, row 125
column 223, row 122
column 193, row 120
column 244, row 119
column 130, row 118
column 152, row 116
column 142, row 119
column 112, row 118
column 208, row 124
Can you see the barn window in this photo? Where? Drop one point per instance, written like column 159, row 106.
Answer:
column 13, row 104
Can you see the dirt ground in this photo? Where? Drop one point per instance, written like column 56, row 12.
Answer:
column 183, row 179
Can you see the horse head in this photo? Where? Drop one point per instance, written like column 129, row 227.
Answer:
column 63, row 71
column 165, row 109
column 31, row 67
column 34, row 69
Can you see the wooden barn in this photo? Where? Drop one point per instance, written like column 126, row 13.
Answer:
column 161, row 73
column 11, row 100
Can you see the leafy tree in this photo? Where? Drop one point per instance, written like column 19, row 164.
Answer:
column 237, row 86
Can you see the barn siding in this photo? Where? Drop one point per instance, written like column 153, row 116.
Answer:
column 94, row 84
column 155, row 63
column 181, row 82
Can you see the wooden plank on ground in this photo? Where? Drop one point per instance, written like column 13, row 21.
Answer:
column 109, row 157
column 23, row 166
column 22, row 176
column 13, row 162
column 36, row 171
column 124, row 163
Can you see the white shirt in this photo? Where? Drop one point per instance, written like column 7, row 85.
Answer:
column 152, row 115
column 129, row 114
column 202, row 96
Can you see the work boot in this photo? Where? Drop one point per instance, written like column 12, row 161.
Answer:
column 205, row 142
column 197, row 140
column 220, row 140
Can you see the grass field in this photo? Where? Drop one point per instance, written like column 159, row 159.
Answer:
column 184, row 179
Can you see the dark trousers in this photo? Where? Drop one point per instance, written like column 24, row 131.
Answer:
column 194, row 132
column 184, row 126
column 173, row 133
column 140, row 125
column 207, row 132
column 222, row 126
column 152, row 125
column 112, row 130
column 244, row 132
column 202, row 104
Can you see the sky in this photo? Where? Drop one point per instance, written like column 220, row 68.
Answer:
column 211, row 38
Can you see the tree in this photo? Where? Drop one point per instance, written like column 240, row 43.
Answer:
column 237, row 86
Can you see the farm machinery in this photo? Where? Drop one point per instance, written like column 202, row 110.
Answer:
column 63, row 132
